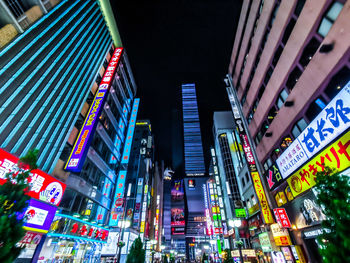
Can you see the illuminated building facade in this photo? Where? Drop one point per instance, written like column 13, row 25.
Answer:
column 290, row 59
column 68, row 91
column 193, row 150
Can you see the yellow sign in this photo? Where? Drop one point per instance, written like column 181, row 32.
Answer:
column 253, row 209
column 142, row 227
column 336, row 156
column 280, row 235
column 300, row 253
column 266, row 211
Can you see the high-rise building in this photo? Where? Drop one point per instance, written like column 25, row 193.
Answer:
column 193, row 150
column 289, row 64
column 68, row 91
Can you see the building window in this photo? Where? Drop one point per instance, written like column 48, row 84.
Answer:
column 299, row 7
column 315, row 108
column 267, row 164
column 282, row 98
column 277, row 55
column 272, row 113
column 299, row 127
column 309, row 51
column 329, row 18
column 268, row 75
column 293, row 78
column 243, row 182
column 288, row 30
column 253, row 199
column 337, row 82
column 247, row 177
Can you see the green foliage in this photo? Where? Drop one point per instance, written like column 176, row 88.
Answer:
column 165, row 259
column 137, row 254
column 13, row 201
column 228, row 257
column 334, row 197
column 204, row 257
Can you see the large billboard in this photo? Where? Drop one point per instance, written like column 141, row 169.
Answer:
column 328, row 125
column 76, row 159
column 177, row 217
column 177, row 191
column 42, row 186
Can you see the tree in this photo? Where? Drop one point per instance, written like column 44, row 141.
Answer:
column 334, row 198
column 204, row 258
column 165, row 259
column 13, row 202
column 228, row 256
column 137, row 253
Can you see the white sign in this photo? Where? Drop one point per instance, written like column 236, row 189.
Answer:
column 35, row 216
column 110, row 248
column 245, row 252
column 277, row 257
column 332, row 121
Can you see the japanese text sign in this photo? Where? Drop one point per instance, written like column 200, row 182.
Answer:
column 31, row 238
column 119, row 194
column 38, row 216
column 282, row 217
column 262, row 198
column 336, row 156
column 280, row 235
column 42, row 186
column 130, row 132
column 76, row 159
column 273, row 177
column 265, row 243
column 328, row 125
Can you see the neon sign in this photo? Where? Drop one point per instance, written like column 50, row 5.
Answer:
column 76, row 159
column 119, row 194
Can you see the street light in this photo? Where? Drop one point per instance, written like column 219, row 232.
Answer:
column 236, row 223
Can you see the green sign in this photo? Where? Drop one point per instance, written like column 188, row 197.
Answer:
column 240, row 212
column 265, row 242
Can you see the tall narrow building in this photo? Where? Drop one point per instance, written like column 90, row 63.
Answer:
column 194, row 159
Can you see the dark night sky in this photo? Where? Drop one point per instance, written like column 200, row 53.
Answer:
column 174, row 42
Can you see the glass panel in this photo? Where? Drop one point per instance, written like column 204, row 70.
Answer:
column 334, row 11
column 324, row 27
column 302, row 124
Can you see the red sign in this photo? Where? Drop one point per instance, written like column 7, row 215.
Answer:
column 42, row 186
column 119, row 202
column 282, row 217
column 31, row 238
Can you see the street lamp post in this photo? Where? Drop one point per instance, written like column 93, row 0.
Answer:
column 122, row 225
column 236, row 223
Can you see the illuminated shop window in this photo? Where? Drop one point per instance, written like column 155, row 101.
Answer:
column 329, row 18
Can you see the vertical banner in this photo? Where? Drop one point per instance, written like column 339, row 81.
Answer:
column 76, row 159
column 118, row 202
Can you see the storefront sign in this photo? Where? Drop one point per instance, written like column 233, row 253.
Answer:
column 313, row 233
column 130, row 132
column 265, row 242
column 287, row 254
column 277, row 257
column 38, row 216
column 273, row 177
column 298, row 254
column 336, row 156
column 31, row 238
column 111, row 248
column 252, row 210
column 245, row 253
column 262, row 198
column 329, row 124
column 117, row 207
column 42, row 186
column 280, row 235
column 240, row 212
column 77, row 157
column 282, row 217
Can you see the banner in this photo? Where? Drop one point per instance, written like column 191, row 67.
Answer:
column 336, row 156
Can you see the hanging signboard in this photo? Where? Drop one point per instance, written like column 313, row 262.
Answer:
column 328, row 125
column 280, row 235
column 282, row 217
column 42, row 186
column 265, row 242
column 273, row 177
column 76, row 159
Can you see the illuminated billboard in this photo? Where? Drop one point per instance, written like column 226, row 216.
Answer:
column 177, row 191
column 328, row 125
column 118, row 202
column 130, row 132
column 76, row 159
column 43, row 186
column 177, row 217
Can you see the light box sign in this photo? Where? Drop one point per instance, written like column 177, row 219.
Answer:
column 76, row 159
column 38, row 216
column 336, row 156
column 130, row 133
column 265, row 242
column 282, row 217
column 328, row 125
column 43, row 186
column 280, row 235
column 117, row 206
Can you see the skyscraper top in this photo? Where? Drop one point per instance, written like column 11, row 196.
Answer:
column 194, row 159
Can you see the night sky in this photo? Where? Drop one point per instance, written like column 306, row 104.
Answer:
column 173, row 42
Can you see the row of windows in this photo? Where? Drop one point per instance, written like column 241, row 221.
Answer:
column 246, row 180
column 307, row 54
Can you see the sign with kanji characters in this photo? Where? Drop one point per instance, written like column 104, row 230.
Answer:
column 265, row 243
column 336, row 156
column 262, row 198
column 328, row 125
column 130, row 132
column 282, row 217
column 76, row 159
column 273, row 177
column 38, row 216
column 280, row 235
column 240, row 212
column 117, row 207
column 31, row 238
column 42, row 186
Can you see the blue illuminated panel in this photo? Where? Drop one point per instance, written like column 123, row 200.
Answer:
column 194, row 160
column 117, row 209
column 130, row 133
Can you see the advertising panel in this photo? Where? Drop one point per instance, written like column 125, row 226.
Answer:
column 262, row 198
column 280, row 235
column 43, row 186
column 336, row 156
column 304, row 212
column 31, row 238
column 117, row 207
column 332, row 121
column 177, row 191
column 110, row 248
column 130, row 132
column 273, row 177
column 265, row 242
column 38, row 216
column 245, row 253
column 76, row 159
column 177, row 217
column 282, row 217
column 70, row 227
